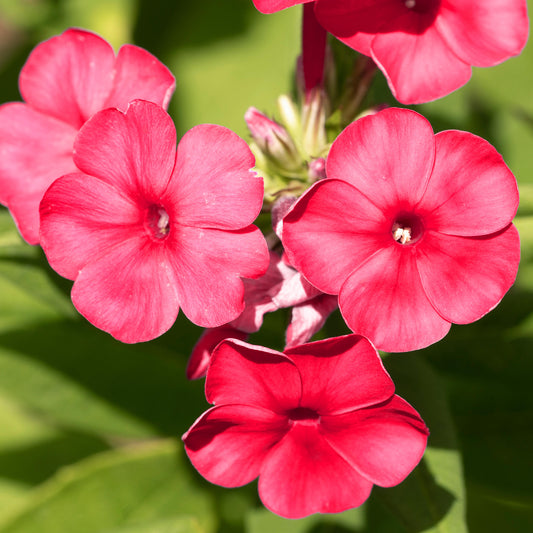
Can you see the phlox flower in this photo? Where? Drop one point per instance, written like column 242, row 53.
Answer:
column 318, row 424
column 412, row 230
column 65, row 80
column 425, row 48
column 280, row 287
column 144, row 228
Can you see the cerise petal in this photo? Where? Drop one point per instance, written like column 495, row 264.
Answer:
column 228, row 444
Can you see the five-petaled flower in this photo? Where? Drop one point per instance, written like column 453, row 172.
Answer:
column 412, row 230
column 65, row 80
column 145, row 229
column 319, row 424
column 425, row 48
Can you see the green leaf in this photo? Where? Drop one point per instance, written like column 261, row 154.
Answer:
column 31, row 450
column 82, row 378
column 263, row 521
column 432, row 498
column 247, row 61
column 30, row 289
column 183, row 524
column 132, row 487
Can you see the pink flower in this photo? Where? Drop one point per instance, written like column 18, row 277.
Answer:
column 319, row 424
column 281, row 287
column 64, row 81
column 412, row 230
column 144, row 229
column 426, row 48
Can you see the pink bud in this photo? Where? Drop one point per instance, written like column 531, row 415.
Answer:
column 272, row 139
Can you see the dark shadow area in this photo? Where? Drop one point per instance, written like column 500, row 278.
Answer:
column 418, row 502
column 145, row 380
column 35, row 463
column 165, row 25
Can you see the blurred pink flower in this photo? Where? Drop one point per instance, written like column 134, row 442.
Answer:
column 145, row 229
column 425, row 48
column 65, row 80
column 319, row 424
column 412, row 230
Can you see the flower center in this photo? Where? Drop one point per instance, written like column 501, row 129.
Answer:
column 157, row 222
column 303, row 414
column 407, row 229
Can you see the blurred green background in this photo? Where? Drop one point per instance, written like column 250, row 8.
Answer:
column 89, row 428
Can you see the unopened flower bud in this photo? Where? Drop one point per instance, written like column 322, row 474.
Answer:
column 317, row 169
column 314, row 123
column 273, row 140
column 290, row 116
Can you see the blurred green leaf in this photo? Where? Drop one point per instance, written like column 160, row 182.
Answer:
column 241, row 59
column 82, row 378
column 432, row 498
column 130, row 487
column 175, row 525
column 26, row 281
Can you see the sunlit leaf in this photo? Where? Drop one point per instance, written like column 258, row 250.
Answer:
column 128, row 487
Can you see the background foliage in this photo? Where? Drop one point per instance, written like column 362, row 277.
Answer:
column 89, row 428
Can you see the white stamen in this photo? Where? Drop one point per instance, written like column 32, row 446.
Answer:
column 401, row 234
column 162, row 223
column 409, row 4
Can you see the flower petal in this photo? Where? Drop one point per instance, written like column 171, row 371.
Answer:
column 388, row 157
column 252, row 375
column 82, row 219
column 419, row 67
column 130, row 292
column 341, row 374
column 69, row 76
column 228, row 443
column 134, row 151
column 140, row 75
column 35, row 149
column 271, row 6
column 330, row 231
column 208, row 341
column 384, row 443
column 385, row 301
column 308, row 319
column 346, row 18
column 304, row 475
column 257, row 300
column 212, row 182
column 471, row 191
column 464, row 277
column 209, row 264
column 484, row 33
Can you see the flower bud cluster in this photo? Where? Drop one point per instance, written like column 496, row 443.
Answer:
column 290, row 154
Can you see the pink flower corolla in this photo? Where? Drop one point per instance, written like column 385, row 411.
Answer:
column 425, row 48
column 65, row 80
column 145, row 229
column 412, row 230
column 319, row 424
column 281, row 287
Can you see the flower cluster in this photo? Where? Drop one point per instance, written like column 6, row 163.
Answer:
column 405, row 231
